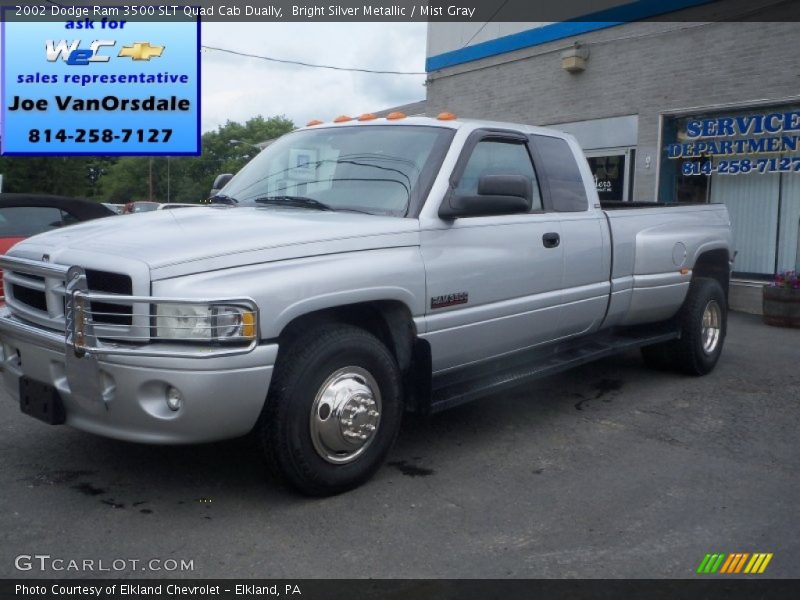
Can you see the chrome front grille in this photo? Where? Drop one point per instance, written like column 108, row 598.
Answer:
column 103, row 321
column 30, row 296
column 37, row 292
column 110, row 283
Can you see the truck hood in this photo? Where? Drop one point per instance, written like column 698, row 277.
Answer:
column 191, row 240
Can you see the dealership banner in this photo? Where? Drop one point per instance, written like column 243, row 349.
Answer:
column 416, row 589
column 580, row 12
column 100, row 85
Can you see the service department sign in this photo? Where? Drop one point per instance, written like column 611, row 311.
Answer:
column 761, row 143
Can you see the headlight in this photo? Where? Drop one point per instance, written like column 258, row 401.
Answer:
column 213, row 323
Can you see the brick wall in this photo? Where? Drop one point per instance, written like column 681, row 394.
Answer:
column 637, row 68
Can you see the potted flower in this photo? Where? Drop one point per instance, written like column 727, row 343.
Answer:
column 782, row 300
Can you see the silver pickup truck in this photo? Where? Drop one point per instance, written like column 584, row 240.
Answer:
column 350, row 272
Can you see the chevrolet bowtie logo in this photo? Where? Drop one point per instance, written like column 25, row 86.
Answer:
column 141, row 51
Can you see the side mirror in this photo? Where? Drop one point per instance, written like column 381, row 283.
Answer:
column 497, row 195
column 220, row 182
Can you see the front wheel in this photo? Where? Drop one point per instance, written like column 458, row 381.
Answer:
column 333, row 411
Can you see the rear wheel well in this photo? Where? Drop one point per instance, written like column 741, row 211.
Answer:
column 391, row 322
column 714, row 264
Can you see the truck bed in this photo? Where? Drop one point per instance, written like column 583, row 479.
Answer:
column 654, row 248
column 618, row 205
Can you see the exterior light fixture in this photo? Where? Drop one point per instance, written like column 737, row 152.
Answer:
column 574, row 59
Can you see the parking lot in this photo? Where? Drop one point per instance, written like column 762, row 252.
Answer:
column 610, row 470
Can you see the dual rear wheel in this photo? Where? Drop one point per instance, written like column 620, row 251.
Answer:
column 703, row 322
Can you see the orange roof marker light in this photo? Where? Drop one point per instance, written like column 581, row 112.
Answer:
column 313, row 122
column 342, row 119
column 394, row 116
column 446, row 116
column 367, row 117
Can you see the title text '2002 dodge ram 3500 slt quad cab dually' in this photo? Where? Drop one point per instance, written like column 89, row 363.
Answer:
column 353, row 271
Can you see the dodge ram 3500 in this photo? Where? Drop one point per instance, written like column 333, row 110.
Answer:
column 351, row 272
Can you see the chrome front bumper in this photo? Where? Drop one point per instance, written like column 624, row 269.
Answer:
column 119, row 389
column 222, row 398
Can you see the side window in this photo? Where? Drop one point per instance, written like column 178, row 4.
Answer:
column 24, row 221
column 567, row 192
column 493, row 157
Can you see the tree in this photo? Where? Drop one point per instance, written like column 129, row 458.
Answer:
column 111, row 179
column 127, row 180
column 61, row 175
column 191, row 177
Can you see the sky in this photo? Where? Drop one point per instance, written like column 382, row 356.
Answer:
column 238, row 88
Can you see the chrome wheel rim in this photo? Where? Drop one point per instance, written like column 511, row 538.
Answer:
column 345, row 415
column 712, row 327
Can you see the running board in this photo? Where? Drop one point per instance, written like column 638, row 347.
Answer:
column 470, row 383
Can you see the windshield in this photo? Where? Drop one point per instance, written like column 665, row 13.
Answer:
column 374, row 169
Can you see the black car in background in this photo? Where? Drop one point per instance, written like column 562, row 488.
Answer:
column 24, row 215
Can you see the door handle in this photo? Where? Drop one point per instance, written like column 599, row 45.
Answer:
column 551, row 240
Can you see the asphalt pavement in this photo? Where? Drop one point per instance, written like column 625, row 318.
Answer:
column 609, row 470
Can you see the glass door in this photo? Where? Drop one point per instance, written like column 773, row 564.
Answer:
column 613, row 173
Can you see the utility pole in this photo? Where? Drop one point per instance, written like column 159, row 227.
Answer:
column 150, row 178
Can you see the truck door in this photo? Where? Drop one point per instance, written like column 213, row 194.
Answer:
column 584, row 234
column 494, row 282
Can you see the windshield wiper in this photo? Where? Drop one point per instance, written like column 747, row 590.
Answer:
column 298, row 201
column 305, row 202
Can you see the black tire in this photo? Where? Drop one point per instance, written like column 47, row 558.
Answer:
column 284, row 427
column 688, row 353
column 690, row 356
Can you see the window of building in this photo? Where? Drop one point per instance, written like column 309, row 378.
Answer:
column 749, row 160
column 612, row 169
column 609, row 176
column 676, row 186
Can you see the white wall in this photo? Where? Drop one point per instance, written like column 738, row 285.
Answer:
column 448, row 36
